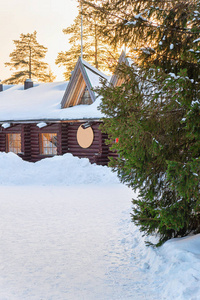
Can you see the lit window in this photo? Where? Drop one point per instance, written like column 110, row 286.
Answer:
column 48, row 143
column 14, row 142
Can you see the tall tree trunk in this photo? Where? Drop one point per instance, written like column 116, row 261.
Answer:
column 96, row 46
column 30, row 64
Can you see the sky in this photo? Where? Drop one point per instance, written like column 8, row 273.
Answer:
column 47, row 17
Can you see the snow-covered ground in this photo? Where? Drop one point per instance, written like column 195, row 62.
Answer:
column 66, row 234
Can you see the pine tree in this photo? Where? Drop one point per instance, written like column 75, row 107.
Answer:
column 95, row 50
column 27, row 60
column 155, row 31
column 155, row 113
column 51, row 76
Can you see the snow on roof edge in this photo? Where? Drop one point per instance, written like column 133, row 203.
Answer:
column 95, row 70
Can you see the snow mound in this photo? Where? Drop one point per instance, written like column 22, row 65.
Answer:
column 186, row 244
column 57, row 170
column 181, row 257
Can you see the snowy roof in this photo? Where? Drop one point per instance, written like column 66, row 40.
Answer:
column 7, row 86
column 122, row 59
column 43, row 101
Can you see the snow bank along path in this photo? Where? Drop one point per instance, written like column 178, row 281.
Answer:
column 66, row 234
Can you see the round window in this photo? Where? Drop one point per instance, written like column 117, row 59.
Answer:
column 85, row 137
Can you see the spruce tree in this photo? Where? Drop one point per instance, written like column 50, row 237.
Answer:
column 95, row 50
column 27, row 60
column 156, row 32
column 155, row 113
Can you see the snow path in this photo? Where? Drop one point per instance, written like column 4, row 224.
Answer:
column 61, row 241
column 72, row 243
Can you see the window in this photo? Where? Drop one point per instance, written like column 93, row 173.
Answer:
column 85, row 99
column 48, row 143
column 14, row 142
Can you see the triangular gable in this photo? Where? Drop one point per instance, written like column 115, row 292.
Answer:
column 79, row 90
column 115, row 79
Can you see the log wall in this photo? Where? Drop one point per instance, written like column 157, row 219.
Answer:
column 2, row 141
column 97, row 153
column 35, row 132
column 76, row 150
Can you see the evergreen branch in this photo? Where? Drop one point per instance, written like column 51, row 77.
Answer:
column 103, row 10
column 145, row 22
column 144, row 219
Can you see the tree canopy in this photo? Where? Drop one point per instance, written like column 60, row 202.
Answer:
column 155, row 113
column 95, row 50
column 27, row 60
column 158, row 32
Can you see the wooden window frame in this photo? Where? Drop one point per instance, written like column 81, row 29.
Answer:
column 18, row 147
column 51, row 150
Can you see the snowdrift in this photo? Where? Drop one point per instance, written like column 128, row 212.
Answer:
column 58, row 170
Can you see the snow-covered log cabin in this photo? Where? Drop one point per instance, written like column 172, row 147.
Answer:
column 43, row 120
